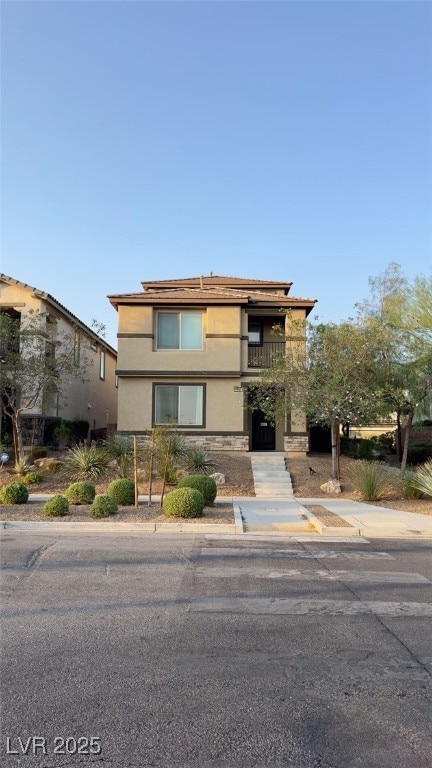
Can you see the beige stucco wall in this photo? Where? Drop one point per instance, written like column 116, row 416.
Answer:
column 100, row 394
column 141, row 354
column 223, row 405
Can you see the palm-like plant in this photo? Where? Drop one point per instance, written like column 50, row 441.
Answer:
column 423, row 478
column 199, row 461
column 86, row 462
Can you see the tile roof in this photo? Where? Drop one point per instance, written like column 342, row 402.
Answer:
column 50, row 299
column 215, row 280
column 216, row 295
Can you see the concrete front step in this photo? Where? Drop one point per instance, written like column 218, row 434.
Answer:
column 270, row 475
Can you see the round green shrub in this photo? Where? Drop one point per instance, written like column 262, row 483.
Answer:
column 184, row 502
column 80, row 493
column 58, row 506
column 14, row 493
column 207, row 486
column 31, row 478
column 103, row 506
column 122, row 491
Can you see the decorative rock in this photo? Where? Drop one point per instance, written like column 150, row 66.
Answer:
column 219, row 478
column 47, row 463
column 332, row 486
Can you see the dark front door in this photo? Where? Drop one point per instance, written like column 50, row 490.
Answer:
column 263, row 432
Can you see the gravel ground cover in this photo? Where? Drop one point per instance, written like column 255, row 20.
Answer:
column 239, row 482
column 306, row 484
column 238, row 477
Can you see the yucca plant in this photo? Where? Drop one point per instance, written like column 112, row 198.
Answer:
column 86, row 462
column 423, row 478
column 199, row 461
column 121, row 449
column 408, row 486
column 370, row 479
column 21, row 466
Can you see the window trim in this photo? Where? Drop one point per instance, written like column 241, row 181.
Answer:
column 179, row 313
column 203, row 386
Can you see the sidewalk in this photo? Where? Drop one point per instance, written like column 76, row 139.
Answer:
column 376, row 522
column 367, row 520
column 287, row 516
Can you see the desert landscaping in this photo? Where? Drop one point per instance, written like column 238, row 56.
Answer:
column 236, row 468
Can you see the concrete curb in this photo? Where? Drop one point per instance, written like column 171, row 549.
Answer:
column 35, row 526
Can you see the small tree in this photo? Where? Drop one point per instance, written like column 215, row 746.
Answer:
column 36, row 361
column 403, row 309
column 340, row 378
column 168, row 448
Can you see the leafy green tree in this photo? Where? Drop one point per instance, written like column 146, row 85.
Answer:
column 340, row 377
column 404, row 310
column 36, row 361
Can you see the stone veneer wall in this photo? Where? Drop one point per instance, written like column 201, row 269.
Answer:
column 210, row 442
column 296, row 443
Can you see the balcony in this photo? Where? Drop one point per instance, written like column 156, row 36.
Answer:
column 265, row 355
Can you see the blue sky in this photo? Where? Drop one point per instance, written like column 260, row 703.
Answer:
column 278, row 140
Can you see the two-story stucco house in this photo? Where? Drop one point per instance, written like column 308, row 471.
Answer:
column 188, row 348
column 94, row 400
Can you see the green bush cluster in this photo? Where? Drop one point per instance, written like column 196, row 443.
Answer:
column 122, row 491
column 103, row 506
column 362, row 448
column 75, row 430
column 57, row 506
column 207, row 486
column 80, row 493
column 184, row 502
column 386, row 441
column 32, row 478
column 14, row 493
column 418, row 453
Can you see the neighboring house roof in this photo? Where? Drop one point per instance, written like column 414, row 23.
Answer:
column 207, row 296
column 38, row 294
column 204, row 281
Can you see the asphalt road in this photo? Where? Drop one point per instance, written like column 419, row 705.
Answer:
column 129, row 651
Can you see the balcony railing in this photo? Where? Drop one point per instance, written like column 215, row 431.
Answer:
column 264, row 355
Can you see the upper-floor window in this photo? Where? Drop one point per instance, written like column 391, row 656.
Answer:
column 179, row 330
column 101, row 364
column 255, row 333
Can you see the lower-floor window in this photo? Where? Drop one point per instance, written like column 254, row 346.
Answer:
column 181, row 404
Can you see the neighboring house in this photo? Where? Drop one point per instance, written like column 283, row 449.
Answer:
column 188, row 348
column 95, row 400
